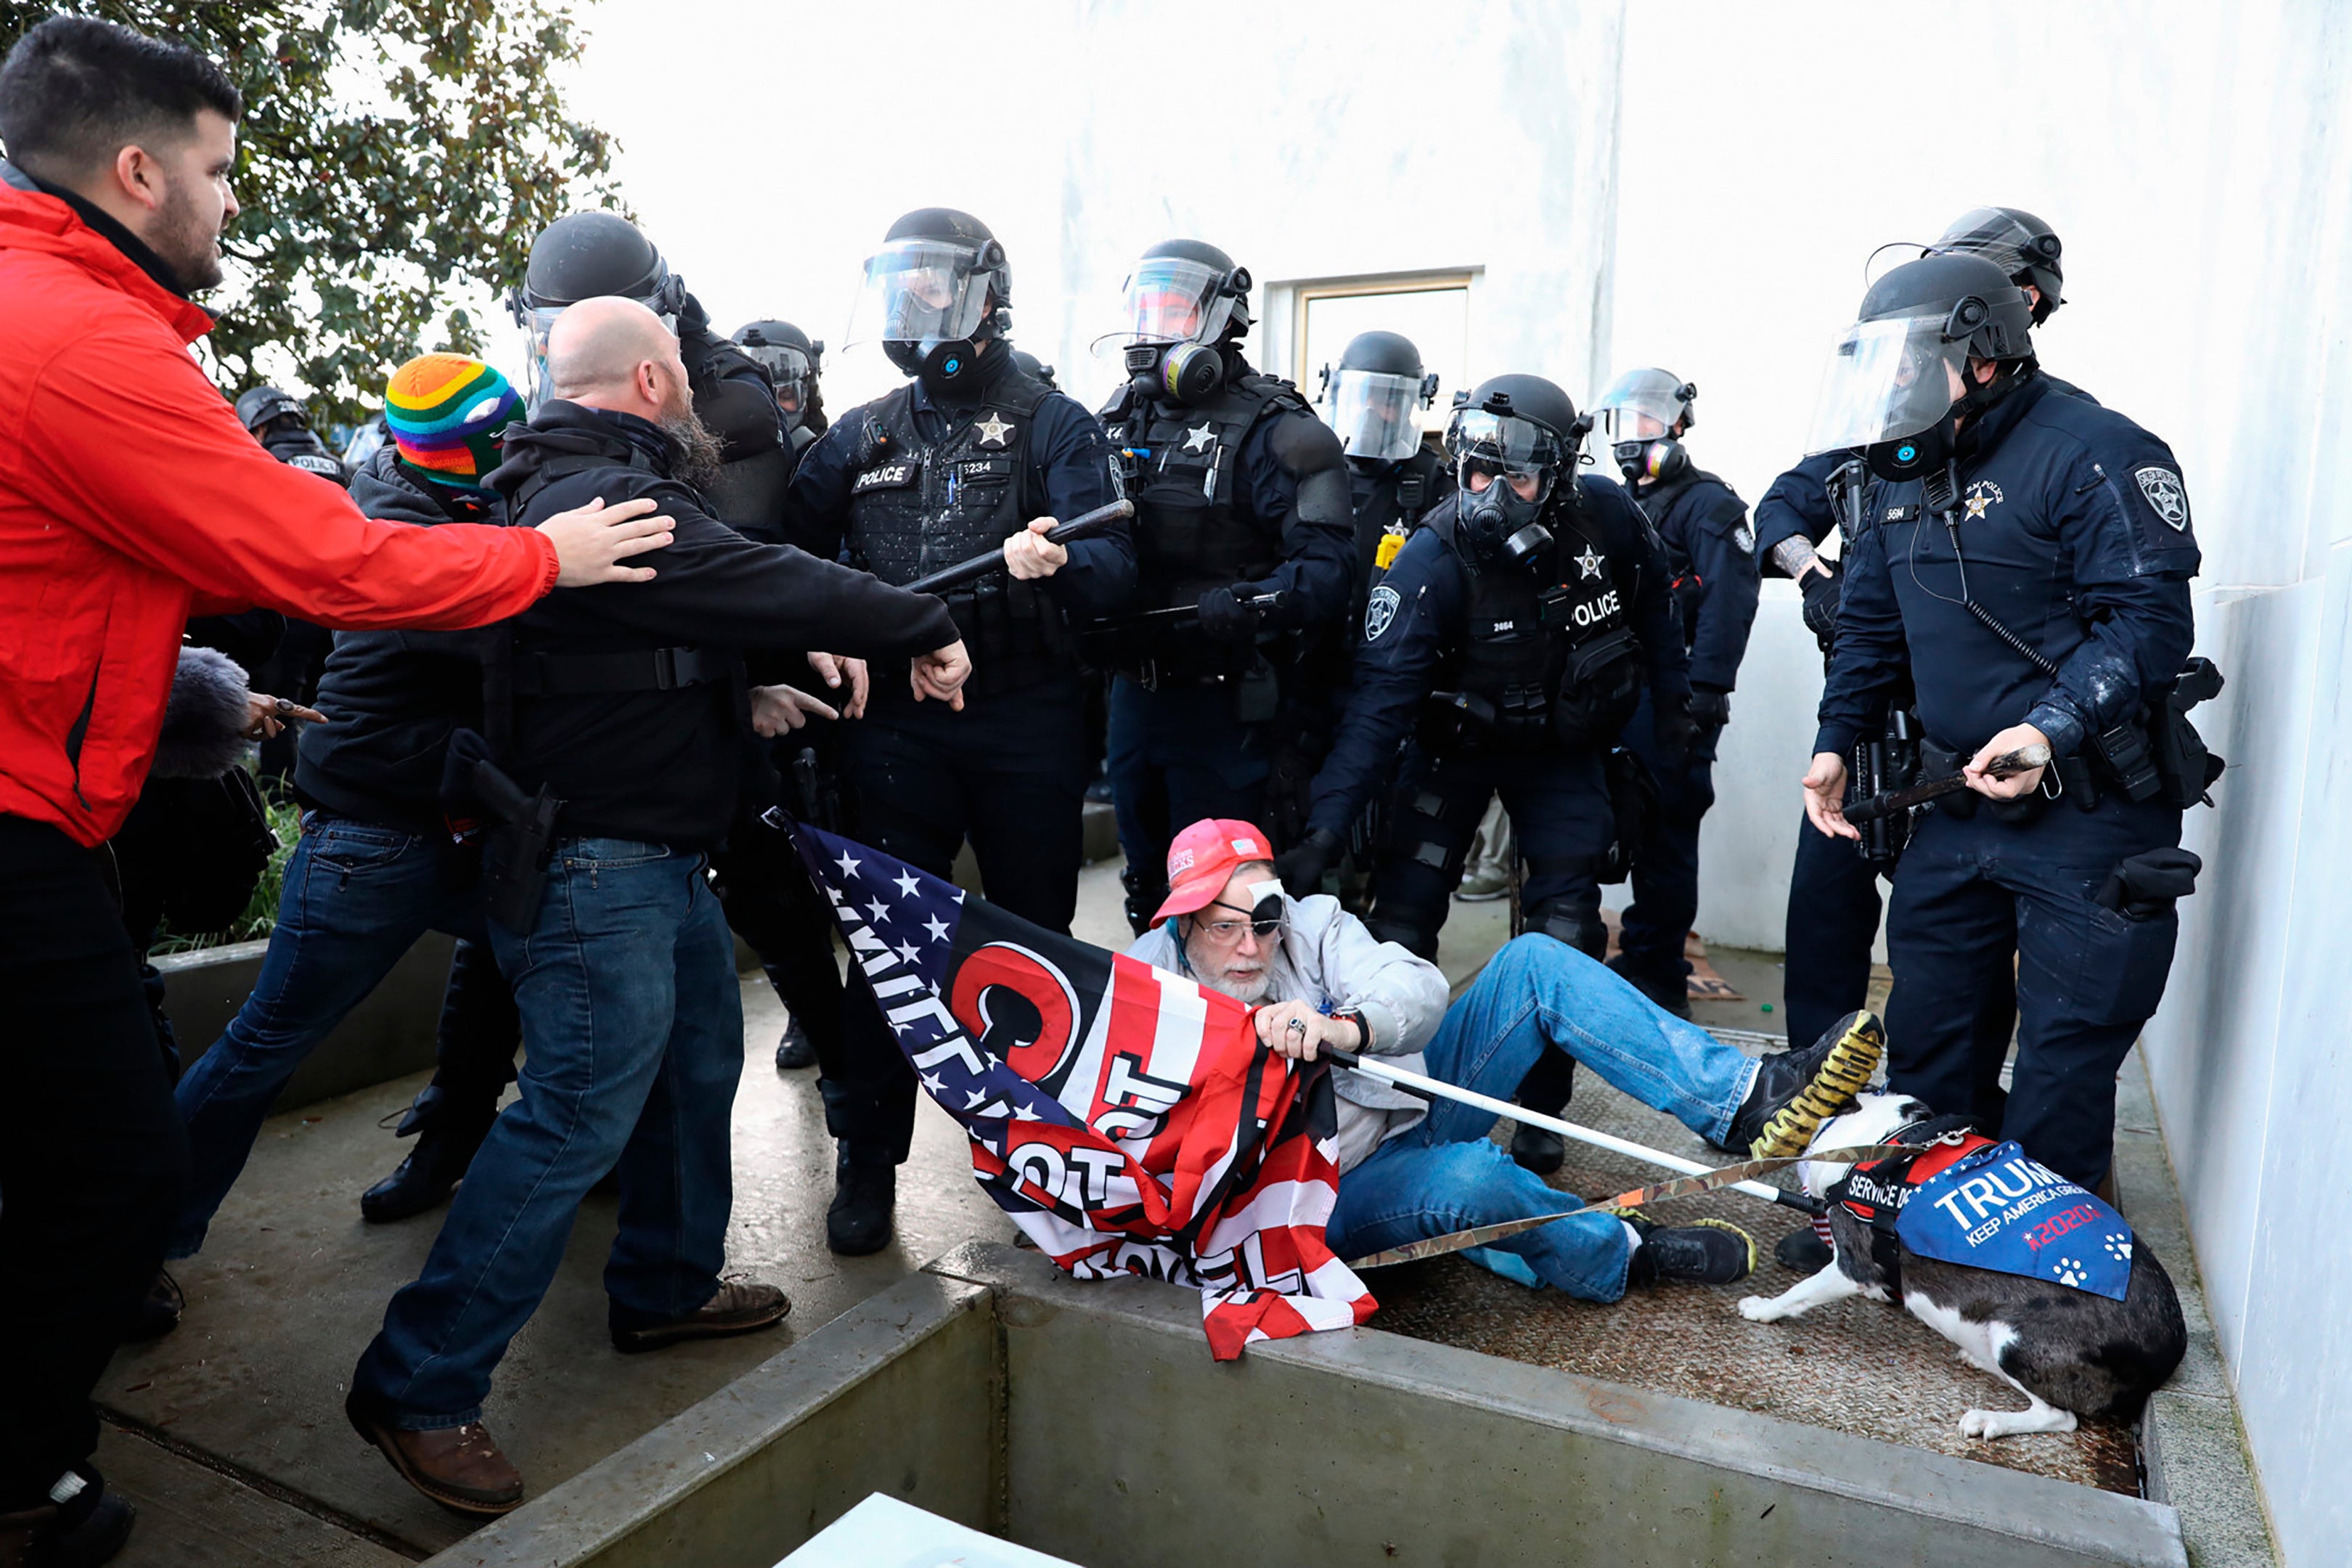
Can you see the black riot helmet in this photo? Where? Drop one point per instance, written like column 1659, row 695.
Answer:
column 791, row 360
column 1373, row 399
column 1036, row 369
column 1183, row 300
column 261, row 407
column 1899, row 376
column 1514, row 440
column 937, row 290
column 587, row 256
column 1643, row 413
column 2024, row 247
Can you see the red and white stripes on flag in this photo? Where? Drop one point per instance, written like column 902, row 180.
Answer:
column 1124, row 1117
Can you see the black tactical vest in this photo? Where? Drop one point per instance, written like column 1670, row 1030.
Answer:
column 1384, row 495
column 1180, row 467
column 926, row 504
column 1545, row 649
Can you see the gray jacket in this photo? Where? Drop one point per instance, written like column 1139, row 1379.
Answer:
column 1328, row 961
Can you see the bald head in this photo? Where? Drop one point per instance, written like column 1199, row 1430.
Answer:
column 616, row 354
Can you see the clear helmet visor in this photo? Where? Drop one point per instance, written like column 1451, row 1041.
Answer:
column 1169, row 299
column 538, row 321
column 1640, row 405
column 1374, row 414
column 919, row 292
column 1503, row 441
column 1479, row 474
column 1887, row 379
column 789, row 368
column 1995, row 235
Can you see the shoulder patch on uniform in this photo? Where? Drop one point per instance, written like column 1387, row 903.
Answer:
column 1743, row 537
column 1380, row 611
column 2165, row 494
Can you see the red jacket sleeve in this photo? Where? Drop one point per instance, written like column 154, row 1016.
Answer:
column 126, row 440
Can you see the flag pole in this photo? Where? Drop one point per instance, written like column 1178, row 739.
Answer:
column 1423, row 1085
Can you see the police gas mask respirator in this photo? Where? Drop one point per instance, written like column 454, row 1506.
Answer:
column 1644, row 412
column 933, row 305
column 1180, row 312
column 1506, row 468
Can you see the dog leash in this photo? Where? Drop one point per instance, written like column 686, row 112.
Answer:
column 1680, row 1188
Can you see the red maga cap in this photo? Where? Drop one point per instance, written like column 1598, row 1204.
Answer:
column 1202, row 861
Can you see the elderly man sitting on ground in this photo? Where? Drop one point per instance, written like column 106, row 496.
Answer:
column 1408, row 1170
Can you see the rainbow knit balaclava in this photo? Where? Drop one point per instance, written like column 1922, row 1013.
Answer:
column 447, row 414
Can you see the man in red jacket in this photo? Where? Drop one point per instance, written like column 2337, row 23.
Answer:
column 113, row 199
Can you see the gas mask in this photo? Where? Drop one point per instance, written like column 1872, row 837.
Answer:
column 1184, row 373
column 945, row 369
column 1651, row 462
column 1496, row 523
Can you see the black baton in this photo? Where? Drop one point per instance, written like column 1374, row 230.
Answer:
column 1087, row 525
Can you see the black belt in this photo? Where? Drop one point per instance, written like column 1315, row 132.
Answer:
column 642, row 669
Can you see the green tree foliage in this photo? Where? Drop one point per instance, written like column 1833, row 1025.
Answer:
column 395, row 155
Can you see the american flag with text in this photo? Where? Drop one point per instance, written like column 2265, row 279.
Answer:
column 1126, row 1117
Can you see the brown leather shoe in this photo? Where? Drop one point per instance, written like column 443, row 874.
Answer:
column 738, row 1307
column 460, row 1468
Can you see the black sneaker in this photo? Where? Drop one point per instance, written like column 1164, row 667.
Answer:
column 1802, row 1251
column 86, row 1526
column 158, row 1312
column 1703, row 1252
column 794, row 1051
column 859, row 1221
column 1796, row 1091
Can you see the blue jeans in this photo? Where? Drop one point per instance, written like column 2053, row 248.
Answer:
column 356, row 897
column 632, row 1044
column 1444, row 1174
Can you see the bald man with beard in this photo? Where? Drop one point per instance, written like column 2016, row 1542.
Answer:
column 631, row 713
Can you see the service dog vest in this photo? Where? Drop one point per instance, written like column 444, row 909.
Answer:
column 1967, row 1199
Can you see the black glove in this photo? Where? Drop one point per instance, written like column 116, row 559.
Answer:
column 1673, row 729
column 1710, row 707
column 2145, row 886
column 1223, row 618
column 1302, row 866
column 1821, row 590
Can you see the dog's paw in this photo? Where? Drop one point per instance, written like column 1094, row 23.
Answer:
column 1760, row 1309
column 1992, row 1423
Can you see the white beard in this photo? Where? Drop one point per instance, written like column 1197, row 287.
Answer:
column 1249, row 994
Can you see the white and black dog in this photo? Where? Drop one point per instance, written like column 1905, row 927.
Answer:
column 2070, row 1352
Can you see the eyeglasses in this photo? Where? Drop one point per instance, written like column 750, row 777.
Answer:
column 1226, row 932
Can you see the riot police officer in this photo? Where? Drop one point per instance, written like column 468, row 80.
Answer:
column 1833, row 898
column 793, row 361
column 2028, row 559
column 970, row 455
column 1711, row 554
column 588, row 253
column 1514, row 629
column 1245, row 540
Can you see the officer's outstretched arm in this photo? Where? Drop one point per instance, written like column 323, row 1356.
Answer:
column 1411, row 619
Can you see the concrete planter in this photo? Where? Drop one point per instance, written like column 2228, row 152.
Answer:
column 1087, row 1421
column 388, row 1036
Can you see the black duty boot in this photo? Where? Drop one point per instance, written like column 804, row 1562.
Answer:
column 1673, row 995
column 447, row 1133
column 794, row 1050
column 158, row 1312
column 1802, row 1251
column 1547, row 1088
column 858, row 1222
column 1703, row 1252
column 1796, row 1091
